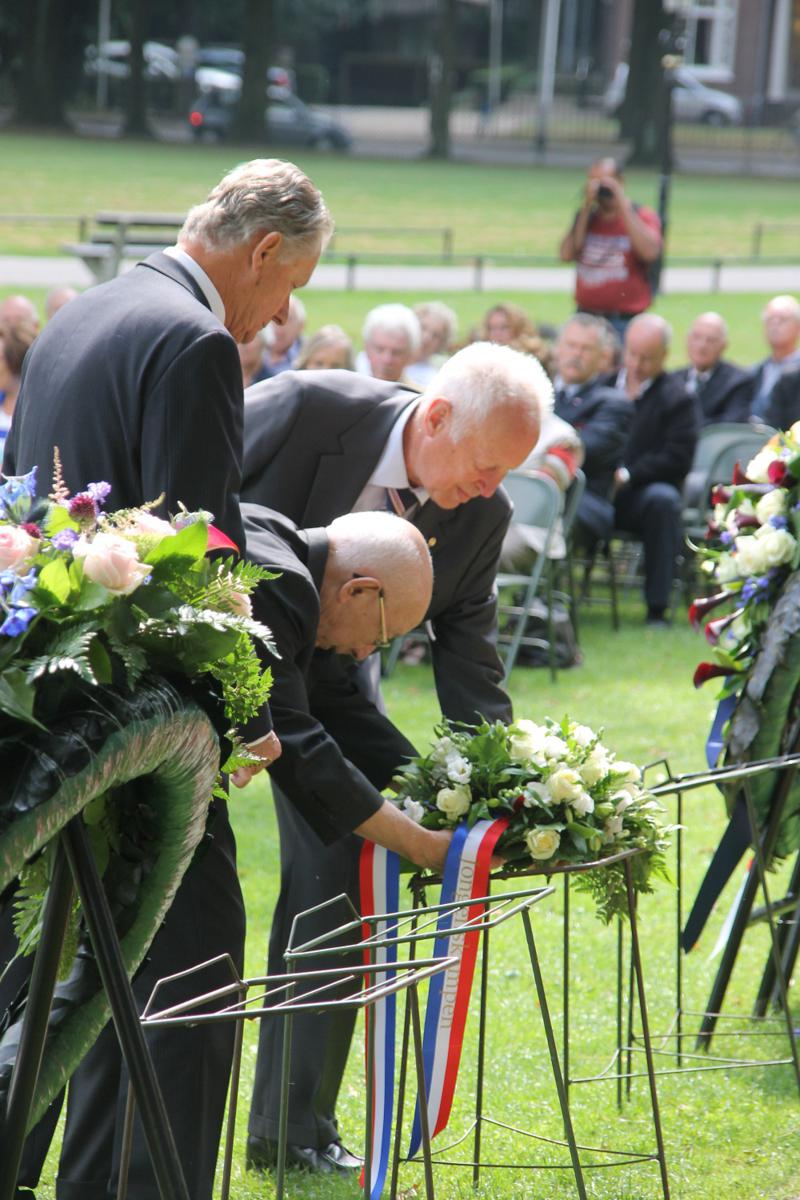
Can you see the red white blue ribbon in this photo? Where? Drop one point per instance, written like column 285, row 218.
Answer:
column 466, row 875
column 380, row 893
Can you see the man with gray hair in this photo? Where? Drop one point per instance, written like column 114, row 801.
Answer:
column 392, row 339
column 781, row 321
column 138, row 383
column 662, row 436
column 319, row 444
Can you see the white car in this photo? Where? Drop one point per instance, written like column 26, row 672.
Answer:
column 691, row 99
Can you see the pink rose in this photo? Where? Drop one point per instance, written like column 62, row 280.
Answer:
column 17, row 548
column 111, row 561
column 144, row 524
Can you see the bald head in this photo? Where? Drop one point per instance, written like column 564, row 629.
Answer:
column 377, row 584
column 647, row 341
column 706, row 341
column 781, row 319
column 19, row 310
column 56, row 299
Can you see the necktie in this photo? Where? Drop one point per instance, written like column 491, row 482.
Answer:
column 401, row 501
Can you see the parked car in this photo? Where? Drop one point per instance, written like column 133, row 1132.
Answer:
column 691, row 99
column 113, row 59
column 230, row 59
column 287, row 120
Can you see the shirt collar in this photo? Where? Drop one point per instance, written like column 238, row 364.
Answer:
column 390, row 469
column 201, row 279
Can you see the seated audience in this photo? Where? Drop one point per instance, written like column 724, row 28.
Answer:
column 784, row 403
column 439, row 326
column 328, row 349
column 392, row 339
column 16, row 309
column 15, row 341
column 285, row 341
column 252, row 356
column 659, row 452
column 611, row 359
column 56, row 299
column 721, row 390
column 781, row 319
column 600, row 414
column 508, row 324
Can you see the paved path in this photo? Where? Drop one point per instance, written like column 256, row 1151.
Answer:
column 33, row 271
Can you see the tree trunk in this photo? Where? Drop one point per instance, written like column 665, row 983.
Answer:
column 642, row 112
column 39, row 92
column 136, row 108
column 258, row 26
column 442, row 65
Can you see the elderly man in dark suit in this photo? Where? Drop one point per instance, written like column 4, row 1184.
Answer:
column 138, row 383
column 722, row 390
column 319, row 444
column 781, row 321
column 601, row 415
column 661, row 440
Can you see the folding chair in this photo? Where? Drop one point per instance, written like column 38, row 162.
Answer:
column 538, row 502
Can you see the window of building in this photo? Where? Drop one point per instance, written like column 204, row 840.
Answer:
column 709, row 36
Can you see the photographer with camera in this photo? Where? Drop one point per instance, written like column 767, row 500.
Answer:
column 616, row 245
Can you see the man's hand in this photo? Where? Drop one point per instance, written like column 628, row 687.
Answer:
column 268, row 750
column 432, row 850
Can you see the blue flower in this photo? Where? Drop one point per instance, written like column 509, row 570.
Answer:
column 16, row 495
column 18, row 620
column 726, row 538
column 778, row 522
column 65, row 540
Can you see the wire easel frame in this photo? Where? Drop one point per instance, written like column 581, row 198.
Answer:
column 613, row 1158
column 781, row 954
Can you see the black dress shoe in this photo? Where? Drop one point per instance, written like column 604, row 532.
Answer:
column 341, row 1159
column 262, row 1155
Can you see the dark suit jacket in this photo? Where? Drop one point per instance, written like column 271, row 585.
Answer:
column 784, row 403
column 318, row 712
column 663, row 435
column 138, row 384
column 602, row 416
column 312, row 440
column 726, row 396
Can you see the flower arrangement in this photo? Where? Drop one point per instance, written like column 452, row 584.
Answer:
column 751, row 549
column 125, row 602
column 567, row 800
column 104, row 597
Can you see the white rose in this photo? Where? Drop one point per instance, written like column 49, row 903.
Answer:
column 17, row 548
column 555, row 747
column 413, row 809
column 758, row 467
column 583, row 735
column 526, row 739
column 535, row 793
column 146, row 525
column 453, row 802
column 727, row 568
column 771, row 504
column 596, row 766
column 542, row 843
column 751, row 558
column 458, row 769
column 565, row 785
column 777, row 546
column 111, row 561
column 626, row 770
column 583, row 804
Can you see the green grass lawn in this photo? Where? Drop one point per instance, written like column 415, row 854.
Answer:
column 495, row 209
column 728, row 1133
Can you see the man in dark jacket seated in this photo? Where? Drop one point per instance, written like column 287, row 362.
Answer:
column 784, row 403
column 601, row 415
column 661, row 443
column 722, row 391
column 342, row 590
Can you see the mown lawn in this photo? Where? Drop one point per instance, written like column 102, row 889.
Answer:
column 728, row 1133
column 494, row 209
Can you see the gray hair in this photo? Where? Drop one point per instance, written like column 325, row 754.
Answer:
column 394, row 318
column 484, row 377
column 437, row 308
column 266, row 195
column 587, row 321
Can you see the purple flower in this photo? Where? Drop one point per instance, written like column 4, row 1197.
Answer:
column 83, row 508
column 726, row 538
column 65, row 540
column 99, row 492
column 755, row 585
column 778, row 522
column 18, row 620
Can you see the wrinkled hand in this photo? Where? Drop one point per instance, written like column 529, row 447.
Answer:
column 268, row 750
column 433, row 847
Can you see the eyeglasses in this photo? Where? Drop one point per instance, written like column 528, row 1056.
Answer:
column 384, row 641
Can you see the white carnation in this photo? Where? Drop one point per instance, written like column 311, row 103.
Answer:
column 583, row 804
column 442, row 750
column 526, row 739
column 413, row 809
column 535, row 793
column 459, row 769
